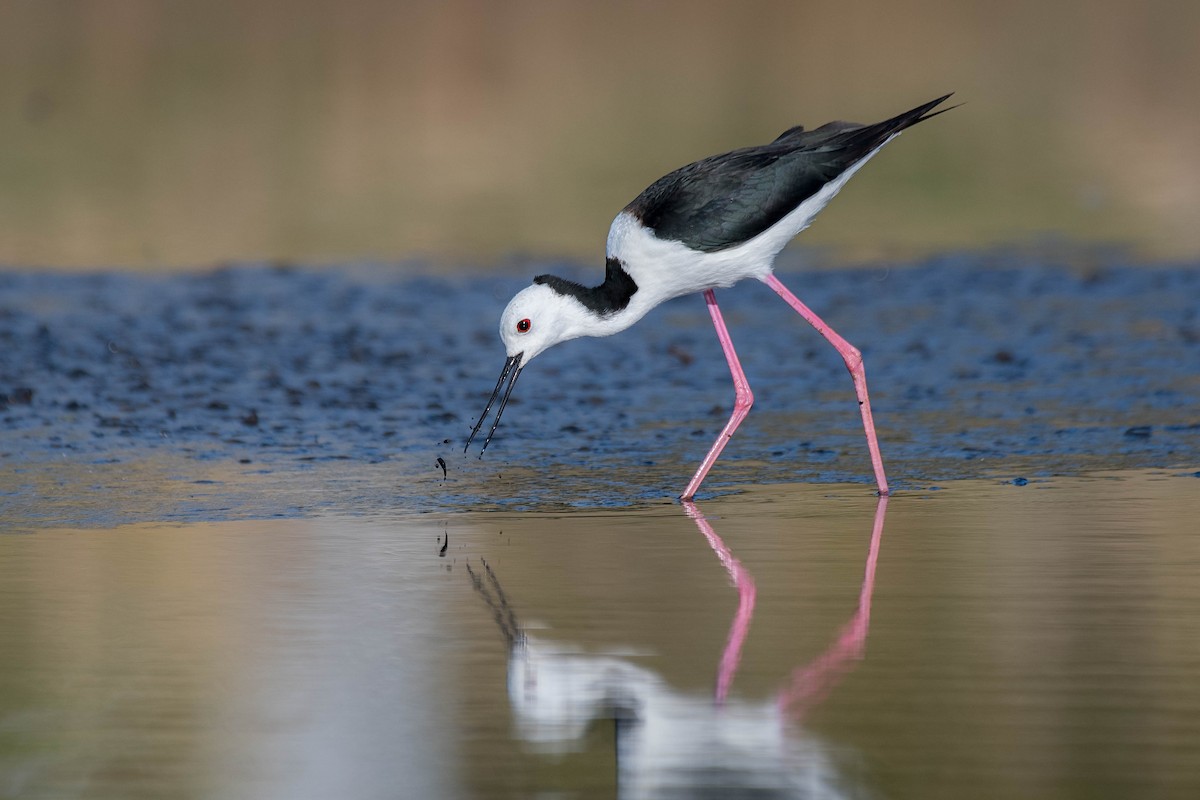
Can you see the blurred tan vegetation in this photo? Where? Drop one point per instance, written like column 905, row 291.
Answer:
column 165, row 133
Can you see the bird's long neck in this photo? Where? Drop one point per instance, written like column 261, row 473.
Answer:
column 604, row 310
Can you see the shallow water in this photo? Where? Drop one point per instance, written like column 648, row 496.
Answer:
column 226, row 570
column 982, row 640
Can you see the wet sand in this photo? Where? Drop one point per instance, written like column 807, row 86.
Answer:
column 265, row 391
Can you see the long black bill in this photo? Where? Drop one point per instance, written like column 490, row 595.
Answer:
column 511, row 366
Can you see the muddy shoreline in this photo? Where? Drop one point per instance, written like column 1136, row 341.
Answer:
column 265, row 381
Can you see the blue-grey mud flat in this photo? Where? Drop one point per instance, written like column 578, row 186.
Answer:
column 260, row 391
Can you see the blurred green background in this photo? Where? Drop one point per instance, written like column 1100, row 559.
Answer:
column 161, row 134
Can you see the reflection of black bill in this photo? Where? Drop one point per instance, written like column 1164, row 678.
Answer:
column 511, row 366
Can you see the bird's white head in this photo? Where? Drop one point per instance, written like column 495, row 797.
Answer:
column 538, row 318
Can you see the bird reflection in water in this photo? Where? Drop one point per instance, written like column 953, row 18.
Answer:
column 670, row 744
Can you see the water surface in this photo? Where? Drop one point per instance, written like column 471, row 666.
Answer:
column 984, row 640
column 232, row 567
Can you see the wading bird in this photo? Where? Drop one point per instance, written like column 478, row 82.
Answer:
column 702, row 227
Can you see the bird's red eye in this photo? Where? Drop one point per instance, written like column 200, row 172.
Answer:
column 523, row 326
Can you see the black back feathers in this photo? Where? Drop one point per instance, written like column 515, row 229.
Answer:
column 724, row 200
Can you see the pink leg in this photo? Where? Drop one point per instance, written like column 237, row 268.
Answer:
column 743, row 399
column 854, row 363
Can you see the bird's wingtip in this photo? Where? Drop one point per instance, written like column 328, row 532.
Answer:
column 927, row 109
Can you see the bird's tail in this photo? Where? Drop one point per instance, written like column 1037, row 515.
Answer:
column 881, row 131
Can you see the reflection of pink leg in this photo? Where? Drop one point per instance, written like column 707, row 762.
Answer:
column 747, row 592
column 743, row 397
column 811, row 683
column 854, row 363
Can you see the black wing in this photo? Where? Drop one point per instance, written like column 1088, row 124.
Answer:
column 724, row 200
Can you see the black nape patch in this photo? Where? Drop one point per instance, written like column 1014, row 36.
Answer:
column 608, row 298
